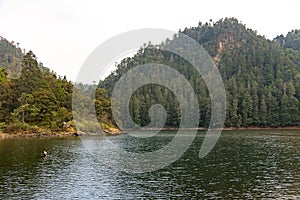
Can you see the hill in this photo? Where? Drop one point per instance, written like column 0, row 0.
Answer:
column 291, row 40
column 10, row 57
column 261, row 77
column 35, row 101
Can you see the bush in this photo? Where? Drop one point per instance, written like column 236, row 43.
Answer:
column 18, row 126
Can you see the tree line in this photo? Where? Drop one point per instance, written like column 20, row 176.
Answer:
column 261, row 77
column 38, row 100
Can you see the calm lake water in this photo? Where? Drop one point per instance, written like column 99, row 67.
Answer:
column 243, row 165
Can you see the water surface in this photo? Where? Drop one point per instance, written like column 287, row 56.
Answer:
column 243, row 164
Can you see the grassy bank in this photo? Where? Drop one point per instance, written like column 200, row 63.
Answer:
column 68, row 130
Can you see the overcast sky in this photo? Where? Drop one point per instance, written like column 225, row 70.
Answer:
column 62, row 33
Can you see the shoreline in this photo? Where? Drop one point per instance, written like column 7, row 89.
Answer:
column 37, row 135
column 60, row 134
column 114, row 131
column 263, row 128
column 223, row 129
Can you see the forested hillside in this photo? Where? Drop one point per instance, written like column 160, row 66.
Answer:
column 10, row 57
column 262, row 77
column 37, row 100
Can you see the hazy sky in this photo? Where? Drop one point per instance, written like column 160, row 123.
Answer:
column 62, row 33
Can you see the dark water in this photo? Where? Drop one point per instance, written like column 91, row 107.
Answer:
column 243, row 165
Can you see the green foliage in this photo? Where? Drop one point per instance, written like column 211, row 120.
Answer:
column 3, row 76
column 10, row 57
column 292, row 40
column 37, row 97
column 262, row 77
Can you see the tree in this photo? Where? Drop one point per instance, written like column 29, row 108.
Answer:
column 26, row 111
column 3, row 76
column 31, row 75
column 263, row 112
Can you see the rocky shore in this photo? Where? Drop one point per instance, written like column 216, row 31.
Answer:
column 115, row 131
column 47, row 134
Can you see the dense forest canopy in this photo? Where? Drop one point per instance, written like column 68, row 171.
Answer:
column 292, row 40
column 38, row 100
column 10, row 57
column 261, row 77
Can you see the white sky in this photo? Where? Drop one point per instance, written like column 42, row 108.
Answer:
column 62, row 33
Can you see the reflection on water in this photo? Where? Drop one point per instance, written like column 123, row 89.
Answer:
column 247, row 164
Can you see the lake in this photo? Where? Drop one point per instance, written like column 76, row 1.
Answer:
column 242, row 165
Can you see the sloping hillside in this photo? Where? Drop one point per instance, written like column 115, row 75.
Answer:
column 10, row 57
column 262, row 77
